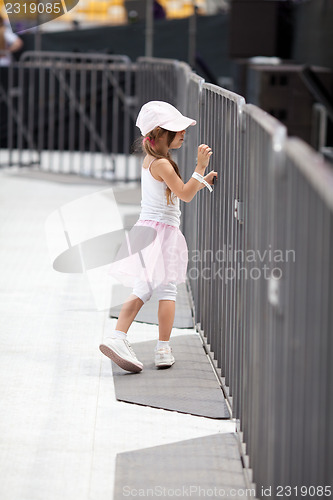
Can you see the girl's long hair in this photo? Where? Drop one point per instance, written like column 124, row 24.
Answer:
column 148, row 147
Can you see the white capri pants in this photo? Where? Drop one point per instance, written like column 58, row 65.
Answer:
column 164, row 291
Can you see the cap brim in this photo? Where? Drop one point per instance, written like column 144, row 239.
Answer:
column 179, row 124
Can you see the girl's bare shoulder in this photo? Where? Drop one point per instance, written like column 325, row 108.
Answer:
column 155, row 162
column 162, row 162
column 161, row 167
column 157, row 167
column 146, row 161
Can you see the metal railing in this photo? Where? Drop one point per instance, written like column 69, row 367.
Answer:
column 69, row 113
column 260, row 268
column 260, row 272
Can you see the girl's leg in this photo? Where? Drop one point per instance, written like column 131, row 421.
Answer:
column 116, row 346
column 166, row 316
column 133, row 305
column 128, row 312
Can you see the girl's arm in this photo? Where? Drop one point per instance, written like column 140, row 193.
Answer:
column 210, row 178
column 186, row 192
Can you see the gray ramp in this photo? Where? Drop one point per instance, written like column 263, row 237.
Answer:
column 195, row 468
column 148, row 312
column 189, row 386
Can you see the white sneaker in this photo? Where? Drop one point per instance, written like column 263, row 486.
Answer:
column 121, row 352
column 164, row 357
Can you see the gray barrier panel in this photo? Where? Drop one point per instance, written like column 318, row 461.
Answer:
column 269, row 328
column 79, row 107
column 262, row 142
column 156, row 80
column 270, row 337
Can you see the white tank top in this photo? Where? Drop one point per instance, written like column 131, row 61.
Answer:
column 154, row 202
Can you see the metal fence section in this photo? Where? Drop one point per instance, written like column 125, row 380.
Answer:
column 259, row 397
column 219, row 233
column 156, row 80
column 301, row 324
column 260, row 245
column 68, row 112
column 261, row 277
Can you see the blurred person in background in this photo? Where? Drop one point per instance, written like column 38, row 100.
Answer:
column 159, row 12
column 9, row 43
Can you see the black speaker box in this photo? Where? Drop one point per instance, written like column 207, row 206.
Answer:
column 281, row 91
column 261, row 28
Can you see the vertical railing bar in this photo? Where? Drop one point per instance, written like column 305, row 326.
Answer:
column 115, row 112
column 20, row 114
column 104, row 113
column 93, row 103
column 51, row 133
column 31, row 101
column 72, row 127
column 10, row 113
column 126, row 145
column 61, row 125
column 41, row 109
column 82, row 130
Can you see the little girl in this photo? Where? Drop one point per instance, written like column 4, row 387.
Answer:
column 155, row 255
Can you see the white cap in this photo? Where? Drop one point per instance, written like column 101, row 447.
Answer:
column 161, row 114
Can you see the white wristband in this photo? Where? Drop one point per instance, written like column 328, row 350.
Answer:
column 200, row 178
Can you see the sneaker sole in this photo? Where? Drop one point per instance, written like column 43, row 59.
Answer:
column 123, row 363
column 164, row 365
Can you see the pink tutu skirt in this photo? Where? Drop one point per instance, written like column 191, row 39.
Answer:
column 152, row 252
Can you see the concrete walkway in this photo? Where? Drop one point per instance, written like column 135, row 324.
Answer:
column 61, row 427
